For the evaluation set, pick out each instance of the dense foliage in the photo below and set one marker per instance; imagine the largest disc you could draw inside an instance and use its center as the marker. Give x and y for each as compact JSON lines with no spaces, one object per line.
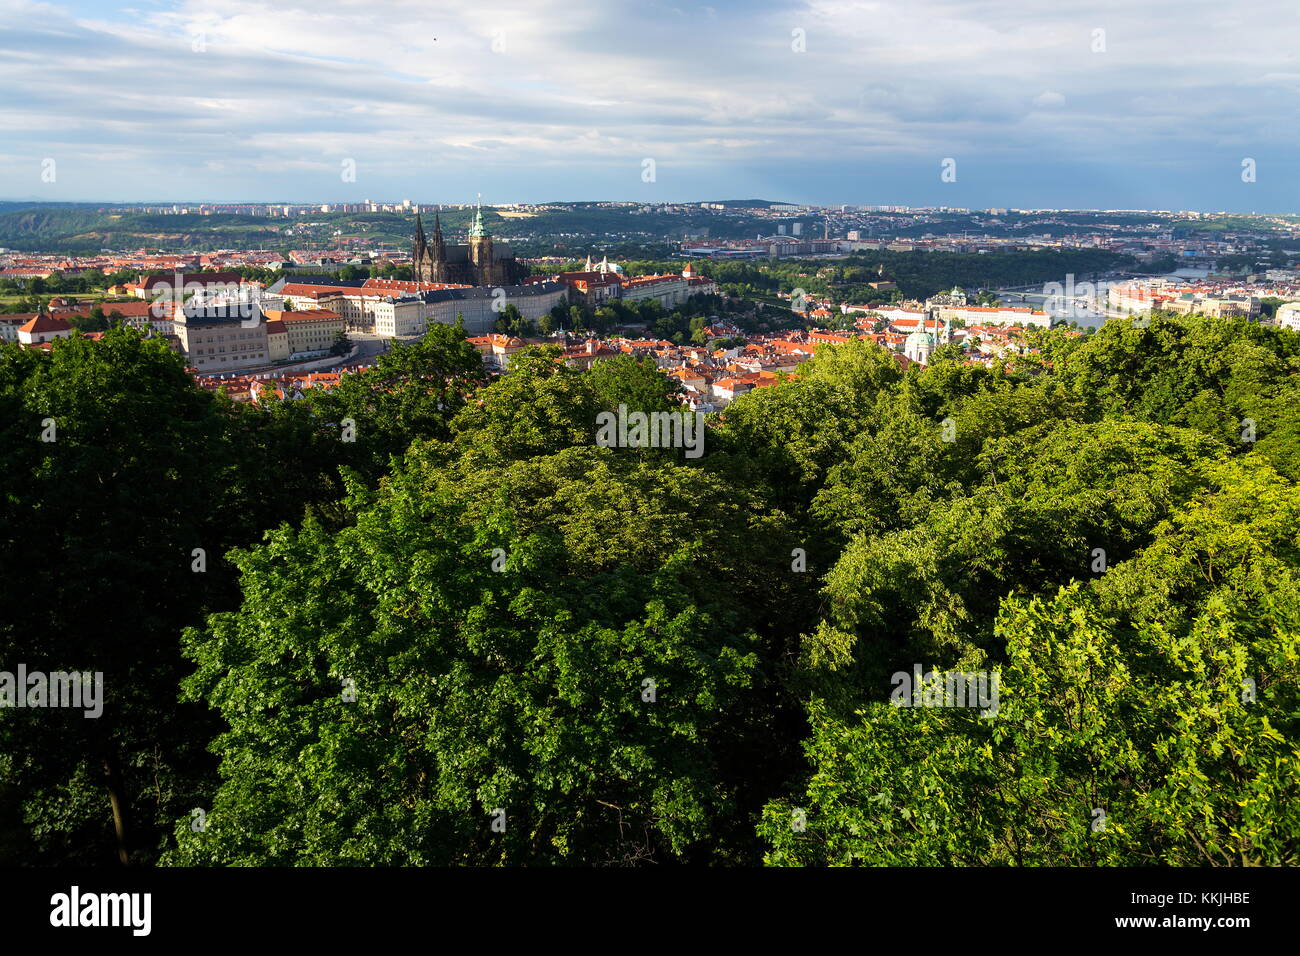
{"x":440,"y":624}
{"x":917,"y":274}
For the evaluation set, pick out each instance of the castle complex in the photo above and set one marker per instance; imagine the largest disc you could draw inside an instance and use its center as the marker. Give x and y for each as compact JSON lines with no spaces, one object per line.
{"x":476,"y":263}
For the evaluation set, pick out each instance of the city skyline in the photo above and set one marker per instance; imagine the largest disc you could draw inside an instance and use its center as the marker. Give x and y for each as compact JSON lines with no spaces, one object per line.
{"x":796,"y":209}
{"x":1074,"y":106}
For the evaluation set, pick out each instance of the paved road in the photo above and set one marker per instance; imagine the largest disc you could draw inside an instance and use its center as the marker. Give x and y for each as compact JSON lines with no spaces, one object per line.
{"x":370,"y":347}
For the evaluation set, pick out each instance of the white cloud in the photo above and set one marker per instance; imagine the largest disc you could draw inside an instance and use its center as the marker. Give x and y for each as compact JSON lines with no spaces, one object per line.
{"x":407,"y":86}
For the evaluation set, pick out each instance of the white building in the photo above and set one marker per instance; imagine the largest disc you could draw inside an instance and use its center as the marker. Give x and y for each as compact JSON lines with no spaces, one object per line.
{"x":669,"y":290}
{"x":43,"y":328}
{"x":9,"y":325}
{"x":480,"y":307}
{"x":983,"y":315}
{"x":1288,"y":316}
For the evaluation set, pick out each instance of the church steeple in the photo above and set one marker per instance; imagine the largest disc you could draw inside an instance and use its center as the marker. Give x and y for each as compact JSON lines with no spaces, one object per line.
{"x":476,"y":228}
{"x":437,"y":248}
{"x":420,"y":242}
{"x":419,"y":249}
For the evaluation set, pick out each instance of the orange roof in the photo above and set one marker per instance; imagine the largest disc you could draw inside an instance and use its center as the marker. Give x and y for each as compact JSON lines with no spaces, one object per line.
{"x":125,"y":309}
{"x":740,"y":381}
{"x":305,"y":290}
{"x":404,"y":285}
{"x":306,"y":315}
{"x":45,"y":323}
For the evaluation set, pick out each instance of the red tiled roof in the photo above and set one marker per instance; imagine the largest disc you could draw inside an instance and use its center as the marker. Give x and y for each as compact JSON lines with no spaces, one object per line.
{"x":307,"y":315}
{"x":45,"y":323}
{"x":128,"y":310}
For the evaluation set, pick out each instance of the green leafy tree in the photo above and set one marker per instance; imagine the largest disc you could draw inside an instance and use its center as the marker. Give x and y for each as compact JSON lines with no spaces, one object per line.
{"x":1147,"y":717}
{"x":542,"y":644}
{"x":636,"y":383}
{"x":116,"y":470}
{"x":95,"y":321}
{"x":930,"y":588}
{"x":412,"y":391}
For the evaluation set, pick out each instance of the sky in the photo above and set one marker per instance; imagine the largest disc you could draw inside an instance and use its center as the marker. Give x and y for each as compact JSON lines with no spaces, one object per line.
{"x":1147,"y":104}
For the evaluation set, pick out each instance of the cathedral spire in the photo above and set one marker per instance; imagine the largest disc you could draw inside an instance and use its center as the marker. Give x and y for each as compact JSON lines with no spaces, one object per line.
{"x":419,"y":248}
{"x":476,"y":228}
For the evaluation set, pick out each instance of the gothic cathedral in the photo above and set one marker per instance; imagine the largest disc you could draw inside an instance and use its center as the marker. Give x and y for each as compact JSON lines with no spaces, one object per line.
{"x":477,"y":262}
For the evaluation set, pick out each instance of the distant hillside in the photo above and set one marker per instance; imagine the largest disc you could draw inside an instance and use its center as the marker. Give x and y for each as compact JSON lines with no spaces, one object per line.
{"x":88,"y":229}
{"x":747,"y":203}
{"x":85,"y":229}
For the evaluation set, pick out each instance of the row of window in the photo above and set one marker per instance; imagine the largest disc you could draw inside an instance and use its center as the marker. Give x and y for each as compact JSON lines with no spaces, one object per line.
{"x":230,"y":358}
{"x":222,"y":338}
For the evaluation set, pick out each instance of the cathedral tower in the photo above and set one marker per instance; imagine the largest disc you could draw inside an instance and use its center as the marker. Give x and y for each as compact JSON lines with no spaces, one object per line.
{"x":477,"y":262}
{"x":437,"y":253}
{"x":429,"y":256}
{"x":419,"y":248}
{"x":480,"y":251}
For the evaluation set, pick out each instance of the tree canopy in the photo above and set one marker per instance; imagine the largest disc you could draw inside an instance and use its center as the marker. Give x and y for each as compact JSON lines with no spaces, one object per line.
{"x":436,"y":622}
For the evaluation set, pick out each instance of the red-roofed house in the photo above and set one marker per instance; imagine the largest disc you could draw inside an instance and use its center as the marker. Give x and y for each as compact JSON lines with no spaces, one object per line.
{"x":588,"y":353}
{"x":43,"y":328}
